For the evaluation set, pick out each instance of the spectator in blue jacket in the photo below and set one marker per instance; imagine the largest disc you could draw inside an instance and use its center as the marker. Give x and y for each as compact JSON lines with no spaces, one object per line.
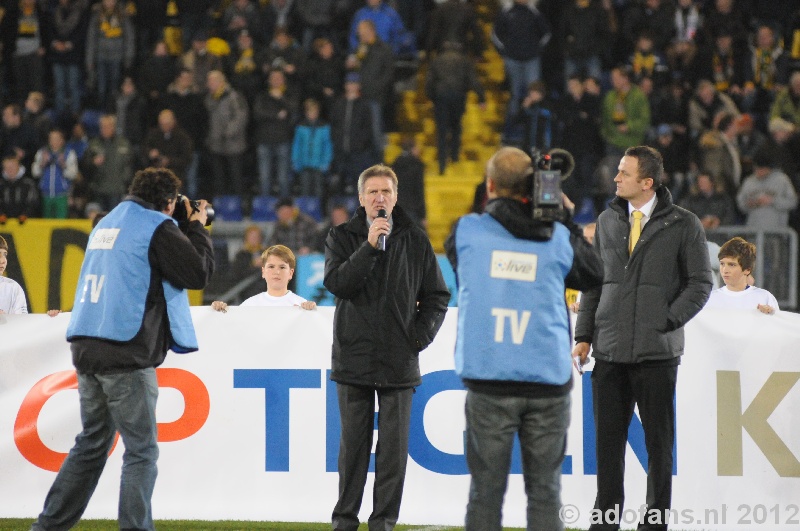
{"x":388,"y":26}
{"x":56,"y":166}
{"x":312,"y":150}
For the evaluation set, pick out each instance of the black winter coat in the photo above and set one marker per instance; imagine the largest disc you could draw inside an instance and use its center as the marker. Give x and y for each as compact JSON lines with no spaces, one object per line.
{"x":358,"y":137}
{"x":190,"y":113}
{"x":646,"y":298}
{"x":270,"y":127}
{"x":389,"y":304}
{"x":377,"y":72}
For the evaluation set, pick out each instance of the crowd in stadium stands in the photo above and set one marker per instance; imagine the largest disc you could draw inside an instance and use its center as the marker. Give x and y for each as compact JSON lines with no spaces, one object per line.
{"x":294,"y":97}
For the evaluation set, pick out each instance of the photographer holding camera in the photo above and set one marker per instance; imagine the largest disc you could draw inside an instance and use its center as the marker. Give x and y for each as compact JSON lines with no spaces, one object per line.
{"x":513,"y":341}
{"x":130,"y":307}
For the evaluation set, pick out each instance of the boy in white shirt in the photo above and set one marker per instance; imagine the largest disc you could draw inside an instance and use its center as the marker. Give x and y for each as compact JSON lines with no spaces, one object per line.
{"x":278,"y":263}
{"x":12,"y":298}
{"x":736,"y":260}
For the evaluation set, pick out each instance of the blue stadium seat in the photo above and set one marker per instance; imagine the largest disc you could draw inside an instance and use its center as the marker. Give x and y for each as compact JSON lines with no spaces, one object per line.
{"x":264,"y":208}
{"x":228,"y":207}
{"x":350,"y":202}
{"x":309,"y":204}
{"x":584,"y":213}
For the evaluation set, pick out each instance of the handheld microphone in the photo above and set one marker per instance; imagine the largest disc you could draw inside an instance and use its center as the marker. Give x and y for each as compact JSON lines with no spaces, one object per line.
{"x":382,"y":237}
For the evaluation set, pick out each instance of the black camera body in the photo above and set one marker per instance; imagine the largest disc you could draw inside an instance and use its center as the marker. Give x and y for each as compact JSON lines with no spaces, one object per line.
{"x":181,"y":213}
{"x":546,"y":194}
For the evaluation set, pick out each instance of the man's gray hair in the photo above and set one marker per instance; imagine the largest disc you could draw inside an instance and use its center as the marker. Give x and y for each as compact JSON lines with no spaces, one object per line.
{"x":378,"y":170}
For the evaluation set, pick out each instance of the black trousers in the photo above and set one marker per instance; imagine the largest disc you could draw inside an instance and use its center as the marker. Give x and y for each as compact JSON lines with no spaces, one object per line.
{"x":616,"y":388}
{"x":228,"y":173}
{"x":357,"y":413}
{"x":448,"y":109}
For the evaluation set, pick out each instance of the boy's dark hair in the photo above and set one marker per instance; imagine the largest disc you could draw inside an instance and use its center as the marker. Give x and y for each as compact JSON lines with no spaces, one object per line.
{"x":537,"y":86}
{"x":284,"y":201}
{"x":3,"y":244}
{"x":282,"y":252}
{"x":156,"y":186}
{"x":740,"y":249}
{"x":645,"y":34}
{"x":763,"y":158}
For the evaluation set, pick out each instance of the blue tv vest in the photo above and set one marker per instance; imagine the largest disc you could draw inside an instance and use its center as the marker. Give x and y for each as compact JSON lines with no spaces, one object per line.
{"x":115,"y":278}
{"x":512,"y":316}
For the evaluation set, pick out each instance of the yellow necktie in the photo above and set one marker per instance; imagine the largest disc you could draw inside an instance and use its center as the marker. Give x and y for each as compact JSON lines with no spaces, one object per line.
{"x":636,"y":230}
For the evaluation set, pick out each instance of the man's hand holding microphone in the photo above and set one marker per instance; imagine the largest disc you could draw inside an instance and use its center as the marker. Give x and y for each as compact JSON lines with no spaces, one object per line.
{"x":378,"y":231}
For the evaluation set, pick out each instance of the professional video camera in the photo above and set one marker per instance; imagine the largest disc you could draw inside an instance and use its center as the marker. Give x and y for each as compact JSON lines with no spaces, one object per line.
{"x":548,"y":170}
{"x":181,"y":213}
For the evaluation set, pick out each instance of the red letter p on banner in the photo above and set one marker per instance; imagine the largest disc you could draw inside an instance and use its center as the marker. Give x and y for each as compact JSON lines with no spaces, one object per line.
{"x":26,"y":433}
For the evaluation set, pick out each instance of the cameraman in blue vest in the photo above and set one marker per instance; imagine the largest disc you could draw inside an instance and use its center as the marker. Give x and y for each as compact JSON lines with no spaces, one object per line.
{"x":513,"y":344}
{"x":130,"y":308}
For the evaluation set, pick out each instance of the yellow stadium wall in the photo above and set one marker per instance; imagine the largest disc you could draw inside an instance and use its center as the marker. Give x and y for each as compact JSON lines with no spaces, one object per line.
{"x":45,"y":257}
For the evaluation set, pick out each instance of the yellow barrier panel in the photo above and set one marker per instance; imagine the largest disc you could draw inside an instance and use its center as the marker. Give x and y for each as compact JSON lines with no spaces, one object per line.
{"x":45,"y":257}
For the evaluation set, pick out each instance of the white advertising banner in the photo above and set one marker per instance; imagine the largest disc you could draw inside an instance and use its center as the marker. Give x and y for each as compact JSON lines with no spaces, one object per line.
{"x":249,"y":426}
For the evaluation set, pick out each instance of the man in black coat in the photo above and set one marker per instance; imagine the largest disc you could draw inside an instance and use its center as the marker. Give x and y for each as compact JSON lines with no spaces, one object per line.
{"x":389,"y":306}
{"x":410,"y":172}
{"x":351,"y":131}
{"x":656,"y":277}
{"x":451,"y":75}
{"x":374,"y":61}
{"x":18,"y":137}
{"x":168,"y":145}
{"x":19,"y":195}
{"x":455,"y":21}
{"x":184,"y":99}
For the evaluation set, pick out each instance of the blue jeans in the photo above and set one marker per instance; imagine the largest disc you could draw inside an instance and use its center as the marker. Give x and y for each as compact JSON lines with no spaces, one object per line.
{"x":311,"y":182}
{"x":190,"y":186}
{"x":376,"y":110}
{"x":109,"y":77}
{"x":492,"y":423}
{"x":124,"y":402}
{"x":520,"y":74}
{"x":586,"y":66}
{"x":282,"y":156}
{"x":28,"y":73}
{"x":228,"y":171}
{"x":69,"y":86}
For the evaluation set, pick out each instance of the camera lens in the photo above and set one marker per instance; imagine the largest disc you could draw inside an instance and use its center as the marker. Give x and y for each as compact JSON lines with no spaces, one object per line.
{"x":209,"y":214}
{"x":181,"y":213}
